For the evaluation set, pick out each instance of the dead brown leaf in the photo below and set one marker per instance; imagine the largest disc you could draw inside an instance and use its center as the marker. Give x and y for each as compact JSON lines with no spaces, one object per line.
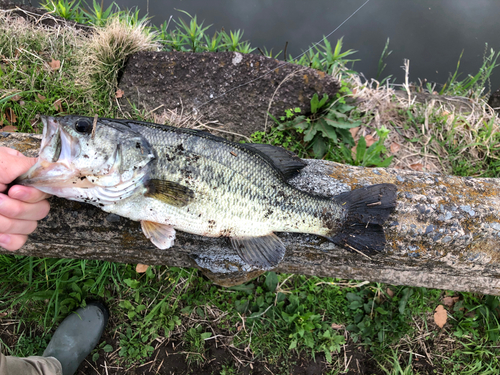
{"x":16,"y":98}
{"x":41,"y":97}
{"x":395,"y":147}
{"x":389,"y":292}
{"x":9,"y":129}
{"x":417,"y":167}
{"x":440,"y":316}
{"x":450,"y":301}
{"x":141,"y":268}
{"x":11,"y":116}
{"x":337,"y":326}
{"x":370,"y":140}
{"x":55,"y":64}
{"x":119,"y":93}
{"x":354,"y":131}
{"x":58,"y":105}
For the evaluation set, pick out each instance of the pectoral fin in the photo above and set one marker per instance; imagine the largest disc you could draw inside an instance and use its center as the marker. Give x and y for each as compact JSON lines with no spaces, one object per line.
{"x":161,"y":235}
{"x":169,"y":192}
{"x":262,"y":252}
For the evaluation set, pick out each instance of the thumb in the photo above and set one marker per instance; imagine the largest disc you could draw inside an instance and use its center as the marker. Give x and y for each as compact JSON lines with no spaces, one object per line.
{"x":13,"y":164}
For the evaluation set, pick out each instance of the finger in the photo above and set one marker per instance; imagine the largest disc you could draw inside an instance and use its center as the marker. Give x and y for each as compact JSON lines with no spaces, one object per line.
{"x":12,"y":242}
{"x":15,"y":209}
{"x":14,"y":226}
{"x":27,"y":194}
{"x":13,"y":164}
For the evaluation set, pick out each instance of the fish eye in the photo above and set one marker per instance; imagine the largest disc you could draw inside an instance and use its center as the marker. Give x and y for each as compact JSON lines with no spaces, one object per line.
{"x":83,"y":126}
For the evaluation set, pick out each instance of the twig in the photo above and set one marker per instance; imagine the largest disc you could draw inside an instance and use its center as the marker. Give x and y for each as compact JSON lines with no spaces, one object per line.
{"x":94,"y":126}
{"x":356,"y":250}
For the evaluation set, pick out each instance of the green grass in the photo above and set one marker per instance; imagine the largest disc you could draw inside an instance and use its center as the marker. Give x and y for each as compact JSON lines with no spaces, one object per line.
{"x":274,"y":318}
{"x":270,"y":316}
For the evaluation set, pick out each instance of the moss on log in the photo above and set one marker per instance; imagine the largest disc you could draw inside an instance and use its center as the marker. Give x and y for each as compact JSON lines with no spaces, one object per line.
{"x":444,"y":233}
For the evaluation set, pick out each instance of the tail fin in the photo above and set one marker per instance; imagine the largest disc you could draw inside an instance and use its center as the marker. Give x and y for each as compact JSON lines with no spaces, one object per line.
{"x":367,"y":209}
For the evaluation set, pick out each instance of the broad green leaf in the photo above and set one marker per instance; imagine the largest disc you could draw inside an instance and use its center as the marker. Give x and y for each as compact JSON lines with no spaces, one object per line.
{"x":355,"y":305}
{"x":343,"y":124}
{"x":241,"y":306}
{"x":346,"y":136}
{"x":407,"y":293}
{"x":323,"y":100}
{"x":247,"y":288}
{"x":386,"y":162}
{"x":134,"y":284}
{"x":326,"y":130}
{"x":309,"y":134}
{"x":314,"y":103}
{"x":126,"y":305}
{"x":271,"y":281}
{"x":319,"y":147}
{"x":328,"y":356}
{"x":380,"y":310}
{"x":206,"y":335}
{"x":353,"y":297}
{"x":360,"y":149}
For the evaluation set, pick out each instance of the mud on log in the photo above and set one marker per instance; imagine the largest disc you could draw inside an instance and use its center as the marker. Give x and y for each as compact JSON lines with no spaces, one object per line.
{"x":444,"y":233}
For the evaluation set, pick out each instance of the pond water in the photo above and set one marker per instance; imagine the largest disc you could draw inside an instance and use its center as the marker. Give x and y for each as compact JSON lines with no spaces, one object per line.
{"x":430,"y":33}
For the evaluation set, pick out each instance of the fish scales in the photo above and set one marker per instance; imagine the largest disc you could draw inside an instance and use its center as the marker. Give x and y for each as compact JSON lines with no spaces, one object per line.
{"x":180,"y":179}
{"x":229,"y":176}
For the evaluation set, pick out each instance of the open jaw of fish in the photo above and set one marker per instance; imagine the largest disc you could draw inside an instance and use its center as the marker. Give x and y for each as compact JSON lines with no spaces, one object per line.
{"x":181,"y":179}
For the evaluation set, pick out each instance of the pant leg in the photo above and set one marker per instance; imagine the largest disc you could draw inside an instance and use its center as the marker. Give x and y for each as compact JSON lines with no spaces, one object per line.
{"x":29,"y":366}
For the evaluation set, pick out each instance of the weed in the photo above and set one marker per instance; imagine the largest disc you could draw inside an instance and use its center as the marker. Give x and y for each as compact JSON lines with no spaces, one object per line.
{"x":396,"y":369}
{"x":472,"y":86}
{"x":107,"y":51}
{"x":192,"y":36}
{"x":369,"y":156}
{"x":381,"y":65}
{"x":324,"y":58}
{"x":195,"y":344}
{"x":70,"y":10}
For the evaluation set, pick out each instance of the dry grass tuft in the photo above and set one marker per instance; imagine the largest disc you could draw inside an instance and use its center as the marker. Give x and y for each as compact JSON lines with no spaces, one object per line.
{"x":107,"y":50}
{"x":426,"y":127}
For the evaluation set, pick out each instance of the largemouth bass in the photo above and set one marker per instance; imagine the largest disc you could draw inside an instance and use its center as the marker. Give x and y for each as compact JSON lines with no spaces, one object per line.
{"x":182,"y":179}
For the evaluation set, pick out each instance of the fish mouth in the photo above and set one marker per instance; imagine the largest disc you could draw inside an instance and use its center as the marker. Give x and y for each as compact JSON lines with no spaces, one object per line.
{"x":57,"y":150}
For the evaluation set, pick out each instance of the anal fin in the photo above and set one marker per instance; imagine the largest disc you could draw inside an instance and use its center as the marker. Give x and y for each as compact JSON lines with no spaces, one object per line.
{"x":161,"y":235}
{"x":263,"y":252}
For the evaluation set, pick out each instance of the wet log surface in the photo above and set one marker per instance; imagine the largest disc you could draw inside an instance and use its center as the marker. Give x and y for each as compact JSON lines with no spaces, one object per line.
{"x":444,"y":233}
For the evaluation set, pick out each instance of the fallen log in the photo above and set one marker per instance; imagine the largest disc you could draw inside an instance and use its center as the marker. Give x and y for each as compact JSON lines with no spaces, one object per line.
{"x":444,"y":233}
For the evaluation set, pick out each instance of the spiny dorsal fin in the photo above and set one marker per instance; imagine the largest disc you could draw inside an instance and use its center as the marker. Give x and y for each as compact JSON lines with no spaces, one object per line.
{"x":262,"y":252}
{"x":169,"y":192}
{"x":287,"y":162}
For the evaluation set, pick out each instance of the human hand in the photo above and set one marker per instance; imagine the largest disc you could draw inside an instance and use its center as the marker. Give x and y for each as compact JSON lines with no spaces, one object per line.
{"x":23,"y":206}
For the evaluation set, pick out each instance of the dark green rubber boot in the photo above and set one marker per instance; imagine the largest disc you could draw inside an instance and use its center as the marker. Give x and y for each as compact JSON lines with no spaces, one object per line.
{"x":77,"y":336}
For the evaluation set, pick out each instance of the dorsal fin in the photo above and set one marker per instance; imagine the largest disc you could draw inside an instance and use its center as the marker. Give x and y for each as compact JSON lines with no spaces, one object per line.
{"x":286,"y":161}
